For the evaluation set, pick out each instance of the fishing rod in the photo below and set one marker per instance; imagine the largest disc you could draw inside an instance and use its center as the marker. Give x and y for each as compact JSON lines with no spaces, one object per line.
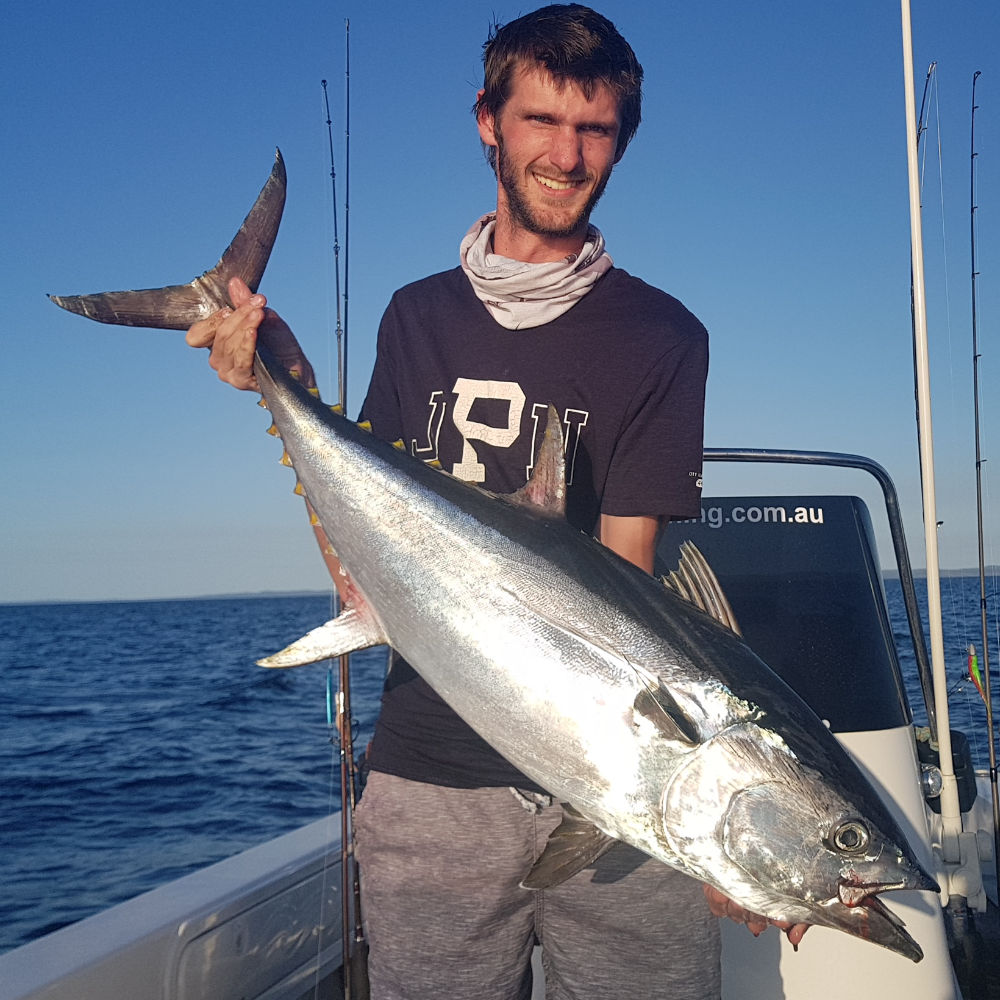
{"x":924,"y":672}
{"x":354,"y":958}
{"x":983,"y":616}
{"x":339,"y":330}
{"x":921,"y":125}
{"x":335,"y":711}
{"x":347,"y":190}
{"x":356,"y":964}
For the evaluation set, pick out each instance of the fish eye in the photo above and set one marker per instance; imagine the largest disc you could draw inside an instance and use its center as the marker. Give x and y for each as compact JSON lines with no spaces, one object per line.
{"x":850,"y":836}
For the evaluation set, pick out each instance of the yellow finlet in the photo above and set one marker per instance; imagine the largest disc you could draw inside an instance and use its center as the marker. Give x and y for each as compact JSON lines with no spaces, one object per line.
{"x":299,"y":489}
{"x":399,"y":445}
{"x":435,"y":464}
{"x":285,"y":460}
{"x":262,"y":403}
{"x":338,"y":409}
{"x":273,"y":430}
{"x":313,"y":390}
{"x":365,"y":425}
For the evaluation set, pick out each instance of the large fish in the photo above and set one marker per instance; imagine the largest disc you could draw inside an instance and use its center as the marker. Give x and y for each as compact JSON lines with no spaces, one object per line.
{"x":646,"y":714}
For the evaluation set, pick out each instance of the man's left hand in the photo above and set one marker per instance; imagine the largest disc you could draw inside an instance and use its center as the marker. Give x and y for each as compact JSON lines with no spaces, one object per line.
{"x":722,"y":906}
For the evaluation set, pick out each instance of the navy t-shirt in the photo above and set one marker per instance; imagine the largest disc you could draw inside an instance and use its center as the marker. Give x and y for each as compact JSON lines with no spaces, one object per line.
{"x":625,"y":368}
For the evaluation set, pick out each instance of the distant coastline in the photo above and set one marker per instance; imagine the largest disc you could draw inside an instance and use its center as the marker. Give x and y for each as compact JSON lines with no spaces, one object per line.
{"x":889,"y":574}
{"x":249,"y":595}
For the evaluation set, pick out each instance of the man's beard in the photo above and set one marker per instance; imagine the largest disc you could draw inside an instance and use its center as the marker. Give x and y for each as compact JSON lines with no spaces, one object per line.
{"x":522,"y":212}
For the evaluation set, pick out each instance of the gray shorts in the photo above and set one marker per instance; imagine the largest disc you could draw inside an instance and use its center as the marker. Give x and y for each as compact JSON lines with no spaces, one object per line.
{"x":446,"y":917}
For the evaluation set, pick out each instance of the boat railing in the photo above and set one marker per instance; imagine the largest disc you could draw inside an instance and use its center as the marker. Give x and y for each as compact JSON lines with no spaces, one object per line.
{"x":832,"y":459}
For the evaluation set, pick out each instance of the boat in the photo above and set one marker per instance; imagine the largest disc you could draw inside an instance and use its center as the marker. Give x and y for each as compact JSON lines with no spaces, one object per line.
{"x":805,"y":580}
{"x":806,"y":583}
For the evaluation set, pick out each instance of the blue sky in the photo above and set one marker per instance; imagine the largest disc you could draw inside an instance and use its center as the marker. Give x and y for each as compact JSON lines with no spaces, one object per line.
{"x":766,"y":188}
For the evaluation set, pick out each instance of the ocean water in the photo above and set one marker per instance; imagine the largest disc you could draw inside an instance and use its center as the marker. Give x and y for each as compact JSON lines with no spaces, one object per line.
{"x":139,"y":742}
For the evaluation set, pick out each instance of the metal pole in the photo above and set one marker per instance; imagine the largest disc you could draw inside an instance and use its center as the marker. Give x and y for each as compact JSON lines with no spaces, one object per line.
{"x":951,"y":818}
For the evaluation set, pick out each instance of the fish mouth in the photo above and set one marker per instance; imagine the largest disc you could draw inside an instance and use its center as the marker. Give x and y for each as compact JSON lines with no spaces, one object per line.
{"x":858,"y":910}
{"x":853,"y":894}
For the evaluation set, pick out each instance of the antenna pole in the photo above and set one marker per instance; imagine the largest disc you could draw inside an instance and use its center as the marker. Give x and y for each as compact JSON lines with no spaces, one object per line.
{"x":951,"y":817}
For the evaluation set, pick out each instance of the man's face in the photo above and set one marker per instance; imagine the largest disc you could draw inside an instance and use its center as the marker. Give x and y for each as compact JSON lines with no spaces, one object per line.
{"x":555,"y":151}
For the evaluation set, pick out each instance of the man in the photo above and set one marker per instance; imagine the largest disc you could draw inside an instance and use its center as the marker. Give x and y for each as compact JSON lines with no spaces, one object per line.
{"x":467,"y":364}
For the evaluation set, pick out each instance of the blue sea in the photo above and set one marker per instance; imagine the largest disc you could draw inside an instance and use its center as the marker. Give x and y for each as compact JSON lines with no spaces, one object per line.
{"x":140,"y":742}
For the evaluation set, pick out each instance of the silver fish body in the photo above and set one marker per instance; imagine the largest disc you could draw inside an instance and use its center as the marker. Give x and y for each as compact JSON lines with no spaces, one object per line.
{"x":650,"y":719}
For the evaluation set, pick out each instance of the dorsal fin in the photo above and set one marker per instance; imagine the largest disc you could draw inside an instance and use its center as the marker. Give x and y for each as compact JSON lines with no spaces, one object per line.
{"x":545,"y":491}
{"x":694,"y":581}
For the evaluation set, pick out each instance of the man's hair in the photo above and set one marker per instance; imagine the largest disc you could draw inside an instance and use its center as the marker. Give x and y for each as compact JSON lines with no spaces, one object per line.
{"x":575,"y":44}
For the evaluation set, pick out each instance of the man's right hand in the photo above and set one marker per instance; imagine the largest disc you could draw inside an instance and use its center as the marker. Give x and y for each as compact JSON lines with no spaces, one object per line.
{"x":231,"y":335}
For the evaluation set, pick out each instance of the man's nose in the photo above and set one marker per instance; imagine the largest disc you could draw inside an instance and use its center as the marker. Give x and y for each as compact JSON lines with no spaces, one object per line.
{"x":566,"y":151}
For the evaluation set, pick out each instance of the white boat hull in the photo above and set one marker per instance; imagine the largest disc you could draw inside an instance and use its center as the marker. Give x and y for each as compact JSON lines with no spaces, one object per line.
{"x":263,"y":925}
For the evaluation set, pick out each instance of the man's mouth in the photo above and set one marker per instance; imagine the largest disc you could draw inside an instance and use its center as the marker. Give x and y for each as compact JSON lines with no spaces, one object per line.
{"x":557,"y":185}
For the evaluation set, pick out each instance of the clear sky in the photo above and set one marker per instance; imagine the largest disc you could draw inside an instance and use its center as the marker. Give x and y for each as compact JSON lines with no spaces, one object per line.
{"x":766,"y":189}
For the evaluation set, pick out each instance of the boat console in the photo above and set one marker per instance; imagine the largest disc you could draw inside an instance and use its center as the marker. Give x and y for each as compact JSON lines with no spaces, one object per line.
{"x":804,"y":581}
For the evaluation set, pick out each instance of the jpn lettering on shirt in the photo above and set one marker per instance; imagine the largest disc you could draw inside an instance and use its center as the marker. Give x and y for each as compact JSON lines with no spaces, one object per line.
{"x":429,"y":451}
{"x":475,"y":433}
{"x":467,"y":391}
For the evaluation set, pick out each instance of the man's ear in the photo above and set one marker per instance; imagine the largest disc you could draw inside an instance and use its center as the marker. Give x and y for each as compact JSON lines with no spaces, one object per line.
{"x":486,"y":122}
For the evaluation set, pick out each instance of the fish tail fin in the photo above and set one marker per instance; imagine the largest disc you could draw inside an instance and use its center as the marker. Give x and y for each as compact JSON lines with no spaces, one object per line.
{"x":176,"y":307}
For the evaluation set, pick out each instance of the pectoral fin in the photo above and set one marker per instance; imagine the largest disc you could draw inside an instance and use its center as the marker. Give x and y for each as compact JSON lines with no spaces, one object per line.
{"x":574,"y":845}
{"x":353,"y":629}
{"x":656,"y":703}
